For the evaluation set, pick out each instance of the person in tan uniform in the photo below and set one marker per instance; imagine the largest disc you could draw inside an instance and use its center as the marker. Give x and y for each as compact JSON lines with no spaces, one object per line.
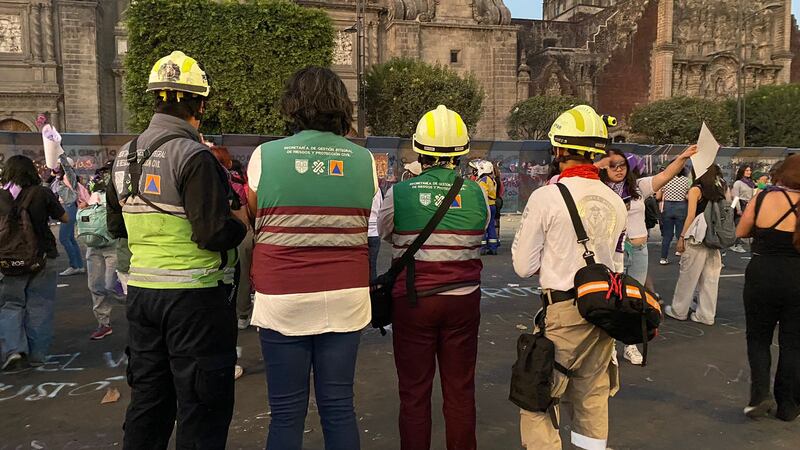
{"x":546,"y":243}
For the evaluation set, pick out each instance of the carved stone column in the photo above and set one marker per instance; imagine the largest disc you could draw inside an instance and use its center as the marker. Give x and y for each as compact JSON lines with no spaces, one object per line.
{"x":663,"y":52}
{"x":36,"y":32}
{"x":47,"y":31}
{"x":523,"y":82}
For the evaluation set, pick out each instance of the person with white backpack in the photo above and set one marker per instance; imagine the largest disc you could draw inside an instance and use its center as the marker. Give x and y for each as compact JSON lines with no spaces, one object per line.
{"x":101,"y":252}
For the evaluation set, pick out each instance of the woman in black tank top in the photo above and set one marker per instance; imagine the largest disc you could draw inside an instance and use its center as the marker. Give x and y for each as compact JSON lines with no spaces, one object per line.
{"x":772,"y":293}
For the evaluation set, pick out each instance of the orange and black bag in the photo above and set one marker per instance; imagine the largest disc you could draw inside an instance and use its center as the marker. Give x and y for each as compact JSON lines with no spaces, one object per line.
{"x":615,"y":302}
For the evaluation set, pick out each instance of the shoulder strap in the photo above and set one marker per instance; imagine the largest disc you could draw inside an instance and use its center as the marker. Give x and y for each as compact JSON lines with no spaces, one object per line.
{"x":24,"y":203}
{"x":407,"y":259}
{"x":583,"y":238}
{"x":136,"y":160}
{"x":792,"y":208}
{"x":759,"y":201}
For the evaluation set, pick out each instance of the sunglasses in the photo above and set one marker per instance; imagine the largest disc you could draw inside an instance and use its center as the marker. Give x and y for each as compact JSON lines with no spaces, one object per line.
{"x":616,"y":166}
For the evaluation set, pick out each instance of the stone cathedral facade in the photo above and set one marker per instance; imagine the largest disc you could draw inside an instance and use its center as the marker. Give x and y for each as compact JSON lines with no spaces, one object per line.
{"x":619,"y":54}
{"x":65,"y":56}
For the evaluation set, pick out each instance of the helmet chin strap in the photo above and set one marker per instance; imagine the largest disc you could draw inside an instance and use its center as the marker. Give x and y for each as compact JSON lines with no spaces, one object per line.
{"x":558,"y":158}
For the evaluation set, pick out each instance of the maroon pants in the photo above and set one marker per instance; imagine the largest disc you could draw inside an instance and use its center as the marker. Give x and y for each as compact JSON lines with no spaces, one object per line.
{"x":443,"y":327}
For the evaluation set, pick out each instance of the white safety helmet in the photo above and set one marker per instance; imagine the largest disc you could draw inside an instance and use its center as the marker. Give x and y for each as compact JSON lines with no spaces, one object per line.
{"x":482,"y":167}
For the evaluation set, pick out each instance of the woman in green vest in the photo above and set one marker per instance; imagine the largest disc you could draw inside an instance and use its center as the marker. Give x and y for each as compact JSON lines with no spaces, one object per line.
{"x":311,"y":194}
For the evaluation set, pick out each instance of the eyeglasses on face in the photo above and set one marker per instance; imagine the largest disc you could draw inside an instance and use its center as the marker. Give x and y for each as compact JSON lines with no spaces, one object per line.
{"x":617,"y":166}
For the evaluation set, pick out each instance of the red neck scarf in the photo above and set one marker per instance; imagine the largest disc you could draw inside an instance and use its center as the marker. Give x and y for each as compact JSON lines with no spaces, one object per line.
{"x":584,"y":171}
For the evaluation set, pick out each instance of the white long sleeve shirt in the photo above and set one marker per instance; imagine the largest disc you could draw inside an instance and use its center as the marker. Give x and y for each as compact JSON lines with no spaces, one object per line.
{"x":546,"y":241}
{"x":377,"y":203}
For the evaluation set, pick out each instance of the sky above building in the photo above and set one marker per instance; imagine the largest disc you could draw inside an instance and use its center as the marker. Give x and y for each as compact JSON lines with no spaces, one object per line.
{"x":527,"y":9}
{"x":532,"y":9}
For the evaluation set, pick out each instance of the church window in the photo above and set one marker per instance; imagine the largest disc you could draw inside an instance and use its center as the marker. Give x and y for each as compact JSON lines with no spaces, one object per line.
{"x":455,"y":56}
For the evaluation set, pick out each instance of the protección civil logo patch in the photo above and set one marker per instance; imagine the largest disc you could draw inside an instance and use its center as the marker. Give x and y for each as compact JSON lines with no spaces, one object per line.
{"x":152,"y":184}
{"x":336,"y":168}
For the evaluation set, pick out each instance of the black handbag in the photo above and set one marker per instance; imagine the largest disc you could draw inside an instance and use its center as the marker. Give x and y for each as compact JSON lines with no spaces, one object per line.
{"x":533,"y":374}
{"x":381,"y":287}
{"x":614,"y":302}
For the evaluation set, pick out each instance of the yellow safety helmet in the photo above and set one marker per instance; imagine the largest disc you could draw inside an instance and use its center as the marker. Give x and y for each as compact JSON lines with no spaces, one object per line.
{"x":441,"y":132}
{"x":178,"y":72}
{"x":582,"y":129}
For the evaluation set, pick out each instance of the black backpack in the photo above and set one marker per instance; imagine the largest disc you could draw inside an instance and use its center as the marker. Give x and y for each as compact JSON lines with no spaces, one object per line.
{"x":652,"y":214}
{"x":19,"y":244}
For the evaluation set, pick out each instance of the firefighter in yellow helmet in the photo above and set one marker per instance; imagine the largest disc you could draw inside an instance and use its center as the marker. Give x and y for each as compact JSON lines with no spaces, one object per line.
{"x":171,"y":199}
{"x":546,"y":243}
{"x":437,"y":307}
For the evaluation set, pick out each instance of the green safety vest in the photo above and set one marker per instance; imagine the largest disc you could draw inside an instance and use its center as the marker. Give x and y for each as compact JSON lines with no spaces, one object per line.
{"x":452,"y":253}
{"x":314,"y":198}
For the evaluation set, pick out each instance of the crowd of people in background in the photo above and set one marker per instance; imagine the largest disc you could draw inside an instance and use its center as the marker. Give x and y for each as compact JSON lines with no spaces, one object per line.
{"x":194,"y":244}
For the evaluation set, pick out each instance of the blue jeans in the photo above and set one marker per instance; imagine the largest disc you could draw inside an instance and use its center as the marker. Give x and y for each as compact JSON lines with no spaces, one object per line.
{"x":490,"y":241}
{"x":672,"y":219}
{"x":289,"y":361}
{"x":66,"y":235}
{"x":636,"y":261}
{"x":26,"y":313}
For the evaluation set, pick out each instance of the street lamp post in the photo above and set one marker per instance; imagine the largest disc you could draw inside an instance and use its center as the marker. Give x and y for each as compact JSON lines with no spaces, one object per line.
{"x":358,"y":29}
{"x":740,"y":25}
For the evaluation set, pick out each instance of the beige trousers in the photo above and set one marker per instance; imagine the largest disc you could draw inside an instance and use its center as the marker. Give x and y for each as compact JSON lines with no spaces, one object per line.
{"x":586,"y":350}
{"x":700,"y":269}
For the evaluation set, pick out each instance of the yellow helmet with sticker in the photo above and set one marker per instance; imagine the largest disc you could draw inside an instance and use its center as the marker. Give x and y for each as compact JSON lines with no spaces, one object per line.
{"x":582,"y":129}
{"x":178,"y":72}
{"x":441,"y":132}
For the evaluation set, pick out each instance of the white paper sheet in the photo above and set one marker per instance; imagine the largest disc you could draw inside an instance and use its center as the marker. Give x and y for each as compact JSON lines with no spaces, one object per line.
{"x":707,"y":148}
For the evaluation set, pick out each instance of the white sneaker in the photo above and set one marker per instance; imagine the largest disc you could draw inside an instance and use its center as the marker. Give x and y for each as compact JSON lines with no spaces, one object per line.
{"x":663,"y":261}
{"x":668,"y":311}
{"x":12,"y":362}
{"x":738,"y":249}
{"x":678,"y":253}
{"x":693,"y":317}
{"x":632,"y":354}
{"x":69,"y":271}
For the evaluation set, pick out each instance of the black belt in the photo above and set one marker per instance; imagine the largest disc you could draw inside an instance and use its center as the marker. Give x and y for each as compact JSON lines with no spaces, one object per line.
{"x":558,"y":296}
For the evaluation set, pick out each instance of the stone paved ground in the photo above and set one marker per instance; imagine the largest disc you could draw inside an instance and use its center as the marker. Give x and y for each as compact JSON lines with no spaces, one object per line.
{"x":690,"y":396}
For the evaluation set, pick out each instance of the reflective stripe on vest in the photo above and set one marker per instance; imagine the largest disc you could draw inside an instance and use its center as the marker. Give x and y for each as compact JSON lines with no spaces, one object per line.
{"x":178,"y":276}
{"x":441,"y":246}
